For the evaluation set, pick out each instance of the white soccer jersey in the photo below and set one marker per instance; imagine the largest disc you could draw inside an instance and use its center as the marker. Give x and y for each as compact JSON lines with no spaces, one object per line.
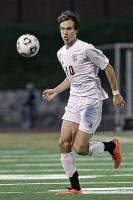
{"x":81,"y":63}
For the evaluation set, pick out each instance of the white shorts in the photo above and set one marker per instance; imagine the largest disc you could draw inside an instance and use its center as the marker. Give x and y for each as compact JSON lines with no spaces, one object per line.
{"x":84,"y":111}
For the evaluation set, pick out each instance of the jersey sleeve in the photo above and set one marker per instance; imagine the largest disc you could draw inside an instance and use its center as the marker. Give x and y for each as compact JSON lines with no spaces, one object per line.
{"x":58,"y":56}
{"x":97,"y":57}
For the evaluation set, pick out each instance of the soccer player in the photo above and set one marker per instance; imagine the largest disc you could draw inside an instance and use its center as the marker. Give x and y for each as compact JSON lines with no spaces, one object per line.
{"x":81,"y":62}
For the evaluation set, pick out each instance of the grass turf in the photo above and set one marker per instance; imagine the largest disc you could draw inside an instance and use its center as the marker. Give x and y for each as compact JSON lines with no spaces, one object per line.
{"x":28,"y":162}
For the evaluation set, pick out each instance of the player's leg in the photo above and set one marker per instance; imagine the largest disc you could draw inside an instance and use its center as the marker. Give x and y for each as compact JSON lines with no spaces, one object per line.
{"x":83,"y":146}
{"x":71,"y":119}
{"x":68,"y":133}
{"x":90,"y":120}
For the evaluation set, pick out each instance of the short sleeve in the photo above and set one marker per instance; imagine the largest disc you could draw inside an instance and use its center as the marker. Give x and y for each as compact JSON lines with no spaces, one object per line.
{"x":58,"y":56}
{"x":97,"y":57}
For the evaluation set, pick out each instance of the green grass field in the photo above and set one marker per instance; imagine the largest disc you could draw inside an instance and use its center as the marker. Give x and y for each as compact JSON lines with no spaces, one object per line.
{"x":30,"y":169}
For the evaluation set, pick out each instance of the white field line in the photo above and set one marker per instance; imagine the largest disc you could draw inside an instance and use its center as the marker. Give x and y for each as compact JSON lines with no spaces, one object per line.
{"x":61,"y":170}
{"x":21,"y":192}
{"x":63,"y":183}
{"x":56,"y":176}
{"x":84,"y":192}
{"x":2,"y":155}
{"x":58,"y":164}
{"x":87,"y":159}
{"x":25,"y":154}
{"x":112,"y":190}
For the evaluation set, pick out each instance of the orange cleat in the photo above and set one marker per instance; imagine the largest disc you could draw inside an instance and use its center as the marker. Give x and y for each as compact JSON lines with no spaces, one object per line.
{"x":117,"y":156}
{"x":69,"y":191}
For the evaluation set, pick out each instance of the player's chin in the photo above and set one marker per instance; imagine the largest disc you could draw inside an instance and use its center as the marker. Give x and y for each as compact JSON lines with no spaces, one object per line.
{"x":66,"y":40}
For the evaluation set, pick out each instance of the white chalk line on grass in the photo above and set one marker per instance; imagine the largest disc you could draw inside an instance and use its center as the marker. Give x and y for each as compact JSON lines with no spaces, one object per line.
{"x":58,"y":164}
{"x":56,"y":176}
{"x":26,"y":154}
{"x":50,"y":156}
{"x":22,"y":192}
{"x":25,"y":192}
{"x":112,"y":190}
{"x":61,"y":170}
{"x":84,"y":192}
{"x":34,"y":160}
{"x":63,"y":183}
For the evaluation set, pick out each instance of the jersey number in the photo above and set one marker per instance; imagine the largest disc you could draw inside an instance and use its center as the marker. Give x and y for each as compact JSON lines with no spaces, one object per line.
{"x":70,"y":71}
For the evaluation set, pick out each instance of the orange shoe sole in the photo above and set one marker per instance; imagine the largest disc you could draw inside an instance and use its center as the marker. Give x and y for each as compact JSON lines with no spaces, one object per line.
{"x":69,"y":191}
{"x":117,"y":156}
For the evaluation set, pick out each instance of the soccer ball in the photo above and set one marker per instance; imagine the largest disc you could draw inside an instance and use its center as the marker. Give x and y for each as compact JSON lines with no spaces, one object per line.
{"x":28,"y":45}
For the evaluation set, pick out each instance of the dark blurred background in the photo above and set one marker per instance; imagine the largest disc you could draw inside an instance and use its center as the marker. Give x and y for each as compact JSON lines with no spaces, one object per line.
{"x":107,"y":24}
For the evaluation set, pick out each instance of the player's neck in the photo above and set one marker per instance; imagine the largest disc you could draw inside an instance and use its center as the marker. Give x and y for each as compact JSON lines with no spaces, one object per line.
{"x":68,"y":45}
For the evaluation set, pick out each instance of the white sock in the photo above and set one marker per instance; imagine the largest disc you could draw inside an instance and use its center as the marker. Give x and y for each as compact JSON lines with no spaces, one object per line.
{"x":68,"y":163}
{"x":96,"y":148}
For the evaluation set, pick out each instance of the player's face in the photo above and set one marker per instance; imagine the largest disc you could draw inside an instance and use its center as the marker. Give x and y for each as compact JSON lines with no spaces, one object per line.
{"x":68,"y":32}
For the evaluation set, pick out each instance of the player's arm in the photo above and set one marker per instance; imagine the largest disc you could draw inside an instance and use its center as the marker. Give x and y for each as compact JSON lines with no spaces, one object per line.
{"x":49,"y":94}
{"x":63,"y":86}
{"x":117,"y":98}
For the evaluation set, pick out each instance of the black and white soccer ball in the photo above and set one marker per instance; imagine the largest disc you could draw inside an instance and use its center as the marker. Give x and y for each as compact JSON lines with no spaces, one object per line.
{"x":28,"y":45}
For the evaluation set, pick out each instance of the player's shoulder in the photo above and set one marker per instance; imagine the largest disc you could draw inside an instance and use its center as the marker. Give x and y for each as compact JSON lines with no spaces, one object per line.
{"x":85,"y":45}
{"x":61,"y":50}
{"x":91,"y":49}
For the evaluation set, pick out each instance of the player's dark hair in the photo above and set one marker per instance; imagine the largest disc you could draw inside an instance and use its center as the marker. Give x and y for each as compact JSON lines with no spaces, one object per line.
{"x":69,"y":15}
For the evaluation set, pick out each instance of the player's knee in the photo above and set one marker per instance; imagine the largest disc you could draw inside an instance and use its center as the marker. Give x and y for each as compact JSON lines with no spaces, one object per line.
{"x":81,"y":150}
{"x":64,"y":145}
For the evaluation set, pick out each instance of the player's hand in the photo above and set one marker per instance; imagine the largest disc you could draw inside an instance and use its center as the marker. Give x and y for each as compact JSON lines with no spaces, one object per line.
{"x":49,"y":94}
{"x":118,"y":101}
